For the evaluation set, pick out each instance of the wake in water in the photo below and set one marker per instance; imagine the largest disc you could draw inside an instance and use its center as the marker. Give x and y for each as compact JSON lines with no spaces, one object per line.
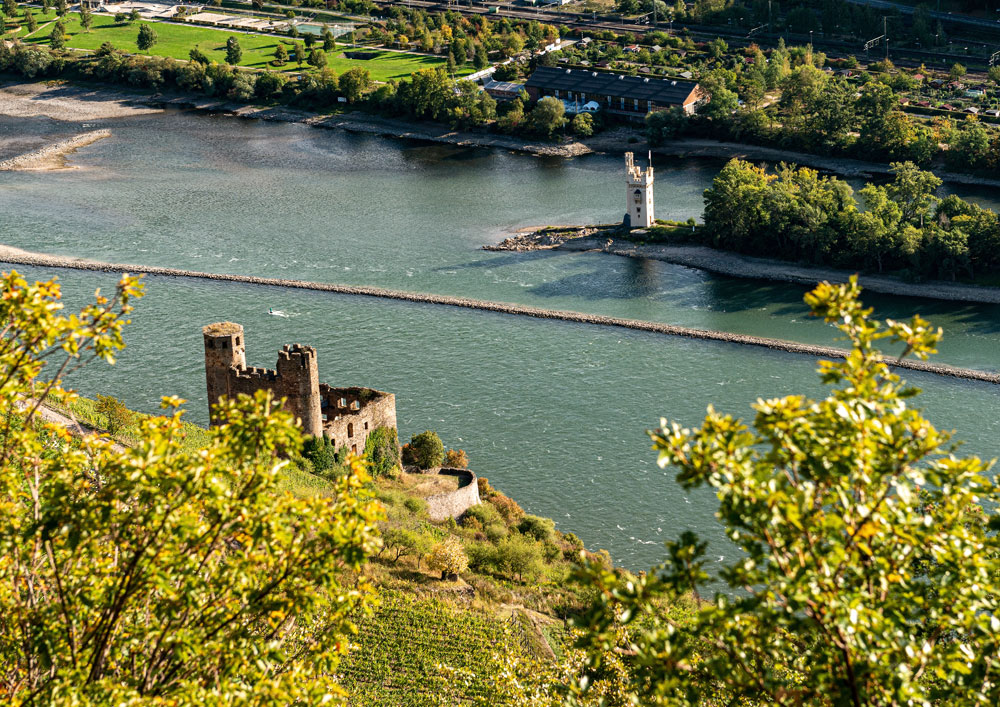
{"x":279,"y":313}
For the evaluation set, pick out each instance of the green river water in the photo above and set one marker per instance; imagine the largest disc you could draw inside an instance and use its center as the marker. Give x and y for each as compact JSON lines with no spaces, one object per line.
{"x":553,"y":413}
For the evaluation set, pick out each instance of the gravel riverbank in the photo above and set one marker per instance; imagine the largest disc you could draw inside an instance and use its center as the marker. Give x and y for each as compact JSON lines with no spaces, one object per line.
{"x":52,"y":156}
{"x":606,"y":240}
{"x":17,"y":256}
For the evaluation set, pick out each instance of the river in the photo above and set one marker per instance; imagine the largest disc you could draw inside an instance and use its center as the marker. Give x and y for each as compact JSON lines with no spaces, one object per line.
{"x":553,"y":413}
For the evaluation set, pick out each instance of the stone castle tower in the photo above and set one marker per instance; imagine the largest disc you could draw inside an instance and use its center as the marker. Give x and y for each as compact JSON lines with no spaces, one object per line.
{"x":225,"y":348}
{"x":296,"y":377}
{"x":638,"y":194}
{"x":345,"y":416}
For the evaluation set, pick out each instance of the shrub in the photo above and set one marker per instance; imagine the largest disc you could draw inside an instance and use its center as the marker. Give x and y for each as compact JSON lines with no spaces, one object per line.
{"x":449,"y":557}
{"x":507,"y":507}
{"x":482,"y":557}
{"x":485,"y":513}
{"x":485,"y":490}
{"x":402,"y":542}
{"x":537,"y":527}
{"x":116,"y":416}
{"x":325,"y":459}
{"x":382,"y":451}
{"x":415,"y":505}
{"x":520,"y":557}
{"x":456,"y":459}
{"x":269,"y":85}
{"x":425,"y":450}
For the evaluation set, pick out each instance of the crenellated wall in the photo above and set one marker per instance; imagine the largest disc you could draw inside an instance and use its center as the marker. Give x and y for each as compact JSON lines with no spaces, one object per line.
{"x":347,"y":415}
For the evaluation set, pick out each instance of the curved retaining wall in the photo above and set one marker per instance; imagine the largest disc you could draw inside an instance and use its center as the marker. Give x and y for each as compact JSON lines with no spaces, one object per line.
{"x":454,"y":503}
{"x":22,"y":257}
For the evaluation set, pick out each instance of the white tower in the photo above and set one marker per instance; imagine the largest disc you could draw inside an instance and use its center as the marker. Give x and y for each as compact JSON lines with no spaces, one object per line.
{"x":638,"y":194}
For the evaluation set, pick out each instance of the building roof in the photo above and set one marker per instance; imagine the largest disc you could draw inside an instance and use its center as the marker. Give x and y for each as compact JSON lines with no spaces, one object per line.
{"x":658,"y":91}
{"x":503,"y":86}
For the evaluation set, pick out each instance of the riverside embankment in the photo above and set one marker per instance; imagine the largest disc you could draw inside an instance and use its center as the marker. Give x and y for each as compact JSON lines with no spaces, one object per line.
{"x":21,"y":257}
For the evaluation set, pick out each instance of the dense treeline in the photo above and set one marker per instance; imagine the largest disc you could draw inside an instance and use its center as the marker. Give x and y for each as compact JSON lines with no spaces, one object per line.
{"x":784,"y":99}
{"x":430,"y":94}
{"x":796,"y":214}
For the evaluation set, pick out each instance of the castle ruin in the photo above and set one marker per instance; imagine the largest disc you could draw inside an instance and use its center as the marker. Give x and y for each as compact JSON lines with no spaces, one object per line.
{"x":345,"y":415}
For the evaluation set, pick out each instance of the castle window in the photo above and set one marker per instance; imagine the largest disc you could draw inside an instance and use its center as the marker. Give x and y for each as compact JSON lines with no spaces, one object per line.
{"x":354,"y":448}
{"x":350,"y":429}
{"x":355,"y":405}
{"x":225,"y":344}
{"x":366,"y":427}
{"x":342,"y":403}
{"x":211,"y":344}
{"x":237,"y":341}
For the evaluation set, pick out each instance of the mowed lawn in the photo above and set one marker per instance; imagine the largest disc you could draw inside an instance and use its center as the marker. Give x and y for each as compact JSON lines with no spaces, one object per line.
{"x":177,"y":40}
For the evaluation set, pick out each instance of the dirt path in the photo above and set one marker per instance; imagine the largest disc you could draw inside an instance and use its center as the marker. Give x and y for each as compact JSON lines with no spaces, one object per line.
{"x":72,"y":426}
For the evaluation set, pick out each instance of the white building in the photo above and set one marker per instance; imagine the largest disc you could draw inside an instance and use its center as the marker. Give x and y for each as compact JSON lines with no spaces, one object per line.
{"x":638,"y":194}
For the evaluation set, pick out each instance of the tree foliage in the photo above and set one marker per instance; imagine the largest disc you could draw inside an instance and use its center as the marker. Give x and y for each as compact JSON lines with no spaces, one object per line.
{"x":162,"y":573}
{"x":449,"y":557}
{"x":795,"y":214}
{"x":382,"y":452}
{"x":866,"y":573}
{"x":425,"y":450}
{"x":146,"y":38}
{"x":234,"y":52}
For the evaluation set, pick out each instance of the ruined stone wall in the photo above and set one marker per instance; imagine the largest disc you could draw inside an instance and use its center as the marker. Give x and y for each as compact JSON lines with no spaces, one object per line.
{"x":351,"y":414}
{"x":455,"y":503}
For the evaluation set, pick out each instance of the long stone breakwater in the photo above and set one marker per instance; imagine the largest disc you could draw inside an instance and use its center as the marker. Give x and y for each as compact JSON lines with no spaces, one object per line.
{"x":47,"y":157}
{"x":22,"y":257}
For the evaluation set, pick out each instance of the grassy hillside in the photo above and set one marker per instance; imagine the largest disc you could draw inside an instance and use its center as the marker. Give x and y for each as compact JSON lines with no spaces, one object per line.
{"x":430,"y":640}
{"x":177,"y":40}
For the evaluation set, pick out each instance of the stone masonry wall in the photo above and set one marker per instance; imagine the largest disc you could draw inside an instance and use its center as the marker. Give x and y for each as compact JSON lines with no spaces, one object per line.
{"x":351,"y":414}
{"x":455,"y":503}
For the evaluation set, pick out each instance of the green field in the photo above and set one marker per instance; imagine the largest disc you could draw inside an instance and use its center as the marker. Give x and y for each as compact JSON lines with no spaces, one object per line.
{"x":176,"y":40}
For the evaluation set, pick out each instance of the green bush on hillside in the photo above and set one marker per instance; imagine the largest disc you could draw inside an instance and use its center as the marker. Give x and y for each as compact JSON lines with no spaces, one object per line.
{"x":425,"y":450}
{"x":117,"y":418}
{"x":537,"y":527}
{"x":382,"y":452}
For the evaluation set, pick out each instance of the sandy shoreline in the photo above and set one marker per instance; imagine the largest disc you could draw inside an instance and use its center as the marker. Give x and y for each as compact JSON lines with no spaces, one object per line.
{"x":16,"y":255}
{"x":735,"y":265}
{"x":52,"y":156}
